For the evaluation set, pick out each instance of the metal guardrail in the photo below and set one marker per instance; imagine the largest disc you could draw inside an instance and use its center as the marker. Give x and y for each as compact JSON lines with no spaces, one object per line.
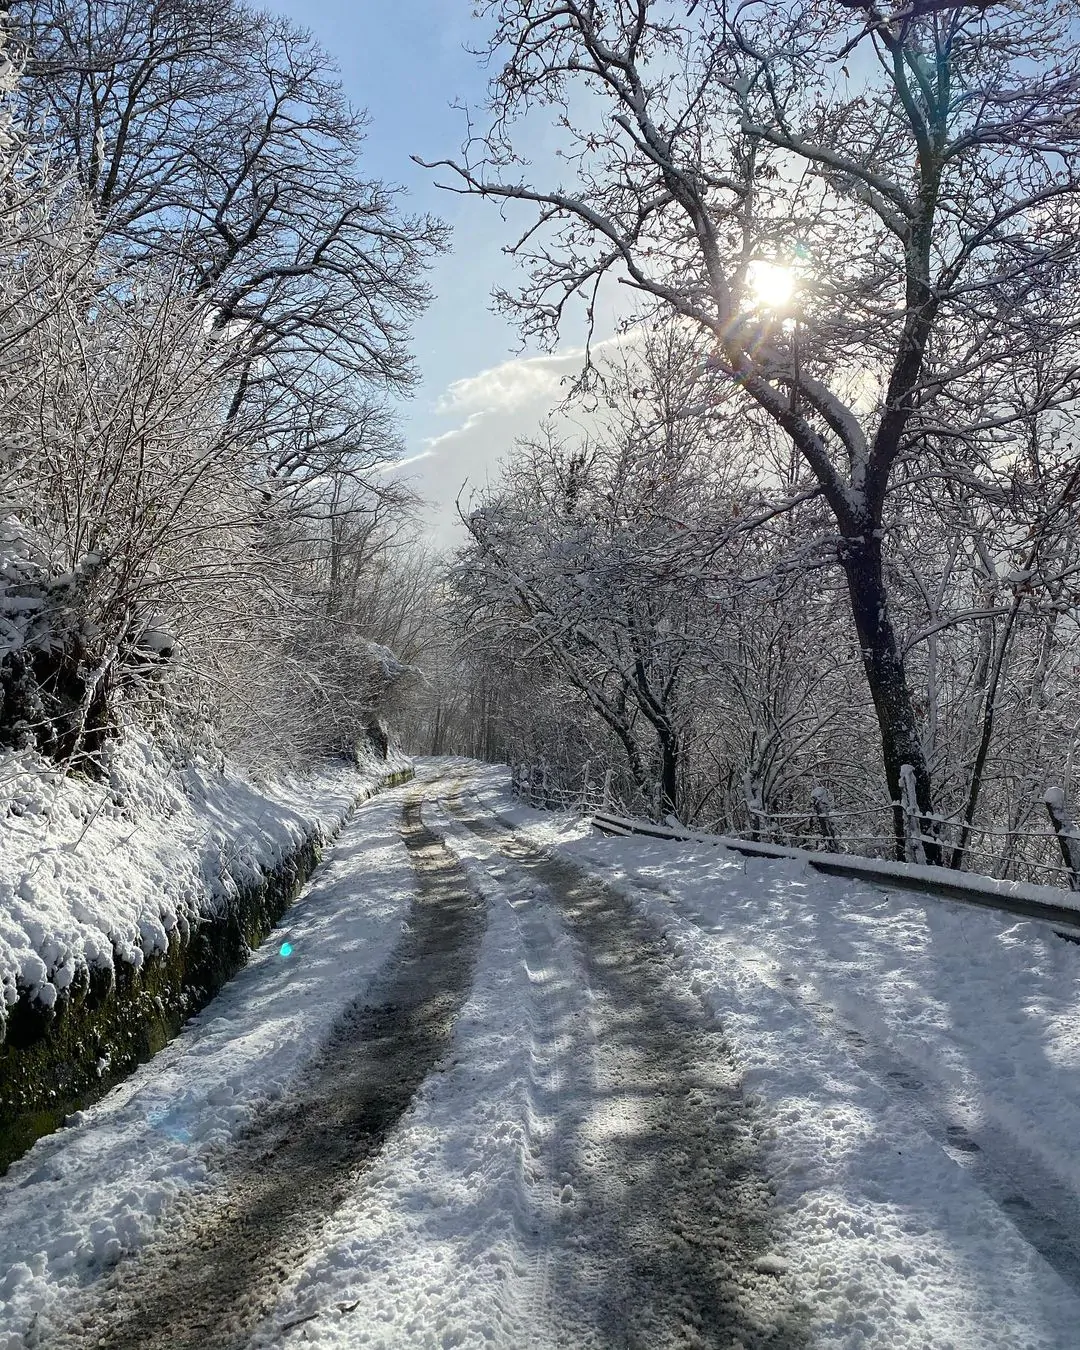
{"x":1019,"y":898}
{"x":1024,"y":852}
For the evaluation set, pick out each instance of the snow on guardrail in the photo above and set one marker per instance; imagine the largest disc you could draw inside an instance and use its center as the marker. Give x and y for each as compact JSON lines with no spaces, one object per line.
{"x":1050,"y":903}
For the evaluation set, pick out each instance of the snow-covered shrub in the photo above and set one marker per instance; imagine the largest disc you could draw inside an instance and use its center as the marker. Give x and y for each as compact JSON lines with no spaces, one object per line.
{"x":130,"y":533}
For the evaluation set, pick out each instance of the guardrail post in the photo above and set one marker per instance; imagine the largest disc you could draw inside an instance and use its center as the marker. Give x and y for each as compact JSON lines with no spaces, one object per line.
{"x":913,"y":825}
{"x":755,"y":807}
{"x":1068,"y":836}
{"x":819,"y":796}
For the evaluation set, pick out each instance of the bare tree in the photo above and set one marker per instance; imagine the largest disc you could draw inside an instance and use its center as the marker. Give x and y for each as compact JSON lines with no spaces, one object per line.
{"x":136,"y":532}
{"x":216,"y":138}
{"x":915,"y":172}
{"x":596,"y":557}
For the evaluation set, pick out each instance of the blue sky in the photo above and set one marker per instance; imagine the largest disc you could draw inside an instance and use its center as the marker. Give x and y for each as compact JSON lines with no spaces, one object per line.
{"x":406,"y":62}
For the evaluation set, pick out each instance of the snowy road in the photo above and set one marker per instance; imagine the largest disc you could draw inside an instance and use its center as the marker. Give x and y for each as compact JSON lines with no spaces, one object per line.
{"x":531,"y":1089}
{"x":918,"y":1064}
{"x":662,"y":1235}
{"x":217,"y":1275}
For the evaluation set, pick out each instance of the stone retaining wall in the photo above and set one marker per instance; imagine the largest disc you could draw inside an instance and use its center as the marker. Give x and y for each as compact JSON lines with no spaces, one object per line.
{"x":56,"y":1060}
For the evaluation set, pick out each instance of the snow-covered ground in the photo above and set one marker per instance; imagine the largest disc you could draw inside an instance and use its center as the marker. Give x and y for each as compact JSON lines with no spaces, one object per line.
{"x":445,"y":1243}
{"x":89,"y":870}
{"x":918,"y":1063}
{"x":910,"y":1067}
{"x":485,"y":1222}
{"x":97,"y":1189}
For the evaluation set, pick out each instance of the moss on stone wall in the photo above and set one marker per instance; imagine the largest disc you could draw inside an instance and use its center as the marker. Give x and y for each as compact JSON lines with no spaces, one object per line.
{"x":55,"y":1060}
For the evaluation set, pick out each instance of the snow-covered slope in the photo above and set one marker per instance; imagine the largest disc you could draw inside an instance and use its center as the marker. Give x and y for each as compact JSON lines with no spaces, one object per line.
{"x":92,"y":871}
{"x":907,"y":1076}
{"x":101,"y":1187}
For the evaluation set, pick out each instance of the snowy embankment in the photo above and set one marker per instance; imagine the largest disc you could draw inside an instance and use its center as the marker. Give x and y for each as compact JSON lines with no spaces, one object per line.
{"x":97,"y":1189}
{"x":125,"y":903}
{"x":918,"y":1063}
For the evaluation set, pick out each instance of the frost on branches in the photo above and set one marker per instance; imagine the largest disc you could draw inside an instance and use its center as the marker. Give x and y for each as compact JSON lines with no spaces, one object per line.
{"x":194,"y":533}
{"x":870,"y":218}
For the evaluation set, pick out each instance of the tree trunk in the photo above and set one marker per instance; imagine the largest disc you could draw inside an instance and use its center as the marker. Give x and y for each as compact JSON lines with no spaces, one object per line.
{"x":884,"y":667}
{"x":437,"y":730}
{"x":669,"y":772}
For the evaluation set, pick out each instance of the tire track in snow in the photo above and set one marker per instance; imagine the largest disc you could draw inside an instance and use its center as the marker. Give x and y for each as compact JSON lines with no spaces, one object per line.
{"x":547,"y":1087}
{"x":453,"y":1238}
{"x":211,"y":1281}
{"x":666,"y":1240}
{"x":559,"y":1069}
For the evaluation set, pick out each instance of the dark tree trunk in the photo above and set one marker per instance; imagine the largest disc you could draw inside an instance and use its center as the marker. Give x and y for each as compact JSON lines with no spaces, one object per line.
{"x":633,"y":758}
{"x":884,"y":667}
{"x":669,"y":771}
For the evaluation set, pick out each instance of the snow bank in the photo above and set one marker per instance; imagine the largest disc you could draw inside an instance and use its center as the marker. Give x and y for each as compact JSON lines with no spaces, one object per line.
{"x":115,"y":870}
{"x":126,"y":904}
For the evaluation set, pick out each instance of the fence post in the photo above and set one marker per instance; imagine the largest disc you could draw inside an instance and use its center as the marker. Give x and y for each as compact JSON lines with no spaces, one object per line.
{"x":819,"y":796}
{"x":913,"y":825}
{"x":754,"y":805}
{"x":1068,"y":836}
{"x":586,"y":788}
{"x":544,"y":782}
{"x":608,"y":774}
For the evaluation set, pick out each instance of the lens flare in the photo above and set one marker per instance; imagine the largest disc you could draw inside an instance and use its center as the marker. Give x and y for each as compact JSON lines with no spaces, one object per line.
{"x":771,"y":285}
{"x":286,"y":949}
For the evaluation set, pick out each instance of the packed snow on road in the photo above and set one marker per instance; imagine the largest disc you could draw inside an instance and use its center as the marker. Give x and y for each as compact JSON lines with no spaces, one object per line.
{"x":529,"y":1086}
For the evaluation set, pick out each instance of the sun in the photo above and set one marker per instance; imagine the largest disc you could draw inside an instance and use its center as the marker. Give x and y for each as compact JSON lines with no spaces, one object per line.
{"x":771,"y":284}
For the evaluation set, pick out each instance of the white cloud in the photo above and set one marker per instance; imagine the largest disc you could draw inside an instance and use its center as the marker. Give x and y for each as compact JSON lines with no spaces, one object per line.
{"x":391,"y":466}
{"x":447,"y":437}
{"x":514,"y":384}
{"x":496,"y":407}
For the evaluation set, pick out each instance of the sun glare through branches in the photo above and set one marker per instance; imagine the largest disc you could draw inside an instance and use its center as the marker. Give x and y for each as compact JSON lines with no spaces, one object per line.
{"x":771,"y":285}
